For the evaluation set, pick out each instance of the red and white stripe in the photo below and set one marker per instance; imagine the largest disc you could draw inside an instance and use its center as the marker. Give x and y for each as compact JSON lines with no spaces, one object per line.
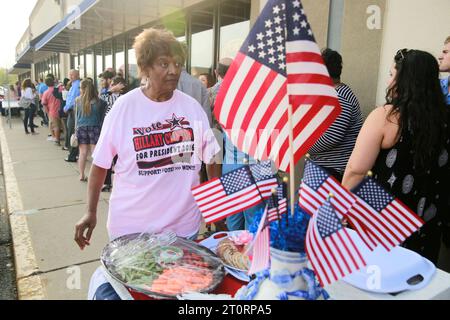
{"x":334,"y":257}
{"x":266,"y":187}
{"x":282,"y":209}
{"x":252,"y":105}
{"x":343,"y":200}
{"x":261,"y":247}
{"x":390,"y":227}
{"x":216,"y":205}
{"x":311,"y":201}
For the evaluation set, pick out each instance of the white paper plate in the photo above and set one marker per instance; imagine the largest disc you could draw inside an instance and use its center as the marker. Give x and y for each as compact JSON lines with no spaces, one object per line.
{"x":390,"y":272}
{"x":212,"y":244}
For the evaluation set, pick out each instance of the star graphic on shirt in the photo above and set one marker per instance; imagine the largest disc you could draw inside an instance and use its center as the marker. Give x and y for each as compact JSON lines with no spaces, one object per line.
{"x":175,"y":122}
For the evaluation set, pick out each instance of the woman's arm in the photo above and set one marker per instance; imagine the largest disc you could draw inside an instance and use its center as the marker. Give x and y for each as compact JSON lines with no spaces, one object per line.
{"x":89,"y":221}
{"x":367,"y":149}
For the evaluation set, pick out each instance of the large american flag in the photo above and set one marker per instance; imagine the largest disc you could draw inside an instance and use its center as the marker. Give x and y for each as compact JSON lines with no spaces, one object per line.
{"x":261,"y":247}
{"x":279,"y":63}
{"x":315,"y":189}
{"x":389,"y":220}
{"x":330,"y":249}
{"x":234,"y":192}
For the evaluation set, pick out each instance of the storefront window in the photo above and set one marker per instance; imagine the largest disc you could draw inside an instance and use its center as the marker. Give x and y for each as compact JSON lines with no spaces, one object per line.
{"x":202,"y":45}
{"x":120,"y":56}
{"x":108,"y":55}
{"x":82,"y":66}
{"x":133,"y":73}
{"x":235,"y":26}
{"x":90,"y":65}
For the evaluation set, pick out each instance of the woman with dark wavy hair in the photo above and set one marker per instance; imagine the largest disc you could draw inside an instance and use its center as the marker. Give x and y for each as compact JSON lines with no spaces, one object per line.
{"x":406,"y":144}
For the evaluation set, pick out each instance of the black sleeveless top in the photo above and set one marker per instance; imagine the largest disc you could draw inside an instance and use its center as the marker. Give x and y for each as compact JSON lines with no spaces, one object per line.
{"x":426,"y":192}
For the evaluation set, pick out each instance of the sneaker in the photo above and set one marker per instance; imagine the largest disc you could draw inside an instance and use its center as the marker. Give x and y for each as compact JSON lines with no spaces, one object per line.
{"x":51,"y":139}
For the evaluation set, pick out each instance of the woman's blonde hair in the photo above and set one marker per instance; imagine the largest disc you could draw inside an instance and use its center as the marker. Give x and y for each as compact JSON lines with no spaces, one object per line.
{"x":447,"y":40}
{"x":152,"y":43}
{"x":88,"y":95}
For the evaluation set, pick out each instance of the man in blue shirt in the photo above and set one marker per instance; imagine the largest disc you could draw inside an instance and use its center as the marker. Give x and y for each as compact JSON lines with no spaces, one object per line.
{"x":444,"y":66}
{"x":69,"y":109}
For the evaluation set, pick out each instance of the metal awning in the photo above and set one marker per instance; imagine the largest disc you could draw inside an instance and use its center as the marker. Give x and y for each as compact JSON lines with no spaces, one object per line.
{"x":29,"y":54}
{"x":20,"y":68}
{"x":95,"y":21}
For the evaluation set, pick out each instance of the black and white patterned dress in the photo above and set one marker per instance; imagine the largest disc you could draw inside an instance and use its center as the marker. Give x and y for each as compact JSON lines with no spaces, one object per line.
{"x":426,"y":192}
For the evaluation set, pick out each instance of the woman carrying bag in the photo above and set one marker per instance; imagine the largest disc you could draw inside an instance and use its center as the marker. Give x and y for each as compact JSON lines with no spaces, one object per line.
{"x":27,"y":102}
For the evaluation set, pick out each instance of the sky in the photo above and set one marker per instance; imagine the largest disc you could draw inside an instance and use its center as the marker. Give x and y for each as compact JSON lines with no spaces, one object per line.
{"x":14,"y":20}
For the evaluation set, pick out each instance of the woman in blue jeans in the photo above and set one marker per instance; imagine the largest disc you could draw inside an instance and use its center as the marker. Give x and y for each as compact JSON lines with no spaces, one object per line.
{"x":29,"y":97}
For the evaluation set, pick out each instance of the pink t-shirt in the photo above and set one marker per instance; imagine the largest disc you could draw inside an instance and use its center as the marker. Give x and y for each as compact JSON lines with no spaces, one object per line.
{"x":160,"y":148}
{"x":51,"y":103}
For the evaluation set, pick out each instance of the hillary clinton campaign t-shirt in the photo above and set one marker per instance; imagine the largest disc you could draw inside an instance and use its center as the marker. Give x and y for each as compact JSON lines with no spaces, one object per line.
{"x":160,"y":148}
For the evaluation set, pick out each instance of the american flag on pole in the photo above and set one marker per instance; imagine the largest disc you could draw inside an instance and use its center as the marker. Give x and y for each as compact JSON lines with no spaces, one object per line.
{"x":265,"y":179}
{"x":228,"y":195}
{"x":278,"y":205}
{"x":330,"y":248}
{"x":261,"y":247}
{"x":279,"y":64}
{"x":316,"y":187}
{"x":389,"y":220}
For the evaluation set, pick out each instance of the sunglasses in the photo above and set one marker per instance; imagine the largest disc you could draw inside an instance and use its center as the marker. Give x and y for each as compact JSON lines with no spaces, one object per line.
{"x":401,"y":54}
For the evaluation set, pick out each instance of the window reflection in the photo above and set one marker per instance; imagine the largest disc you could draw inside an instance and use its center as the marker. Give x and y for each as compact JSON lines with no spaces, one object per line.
{"x":90,"y":65}
{"x":235,"y":26}
{"x":133,"y":73}
{"x":232,"y":37}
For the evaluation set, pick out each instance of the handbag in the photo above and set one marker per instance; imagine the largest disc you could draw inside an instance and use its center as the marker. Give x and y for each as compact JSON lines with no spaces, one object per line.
{"x":24,"y":103}
{"x":74,"y":138}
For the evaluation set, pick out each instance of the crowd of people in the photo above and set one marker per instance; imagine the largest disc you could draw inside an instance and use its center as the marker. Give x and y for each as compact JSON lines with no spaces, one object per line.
{"x":158,"y":140}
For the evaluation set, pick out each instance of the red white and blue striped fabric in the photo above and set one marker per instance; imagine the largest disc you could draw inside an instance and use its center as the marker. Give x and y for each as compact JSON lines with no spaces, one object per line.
{"x":279,"y":64}
{"x":261,"y":247}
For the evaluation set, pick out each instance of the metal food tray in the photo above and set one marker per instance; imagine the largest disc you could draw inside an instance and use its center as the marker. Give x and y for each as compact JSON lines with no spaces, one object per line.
{"x":209,"y":257}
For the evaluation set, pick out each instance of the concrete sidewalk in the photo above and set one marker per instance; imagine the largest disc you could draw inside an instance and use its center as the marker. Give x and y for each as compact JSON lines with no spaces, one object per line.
{"x":45,"y":201}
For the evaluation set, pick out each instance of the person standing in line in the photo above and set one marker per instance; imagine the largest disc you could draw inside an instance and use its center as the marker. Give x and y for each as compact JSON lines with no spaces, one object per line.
{"x":65,"y":115}
{"x":88,"y":112}
{"x":73,"y":94}
{"x":117,"y":89}
{"x":444,"y":66}
{"x":206,"y":79}
{"x":406,"y":144}
{"x":335,"y":146}
{"x":51,"y":105}
{"x":28,"y":101}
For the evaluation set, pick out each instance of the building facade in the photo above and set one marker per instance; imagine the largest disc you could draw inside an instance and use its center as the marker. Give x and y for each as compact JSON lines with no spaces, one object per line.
{"x":92,"y":35}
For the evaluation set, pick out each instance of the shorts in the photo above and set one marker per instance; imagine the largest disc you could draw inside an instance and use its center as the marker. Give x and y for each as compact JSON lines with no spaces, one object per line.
{"x":88,"y":135}
{"x":56,"y":124}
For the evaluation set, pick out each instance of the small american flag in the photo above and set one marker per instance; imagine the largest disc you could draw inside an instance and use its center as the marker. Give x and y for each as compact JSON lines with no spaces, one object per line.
{"x":279,"y":64}
{"x":316,"y":187}
{"x":330,"y":249}
{"x":261,"y":247}
{"x":387,"y":218}
{"x":228,"y":195}
{"x":277,"y":205}
{"x":265,"y":179}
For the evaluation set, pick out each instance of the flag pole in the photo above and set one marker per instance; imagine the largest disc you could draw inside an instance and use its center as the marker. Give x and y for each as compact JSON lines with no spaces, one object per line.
{"x":292,"y":161}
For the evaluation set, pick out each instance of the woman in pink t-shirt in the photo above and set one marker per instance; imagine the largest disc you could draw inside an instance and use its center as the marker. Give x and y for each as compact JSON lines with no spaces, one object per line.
{"x":161,"y":137}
